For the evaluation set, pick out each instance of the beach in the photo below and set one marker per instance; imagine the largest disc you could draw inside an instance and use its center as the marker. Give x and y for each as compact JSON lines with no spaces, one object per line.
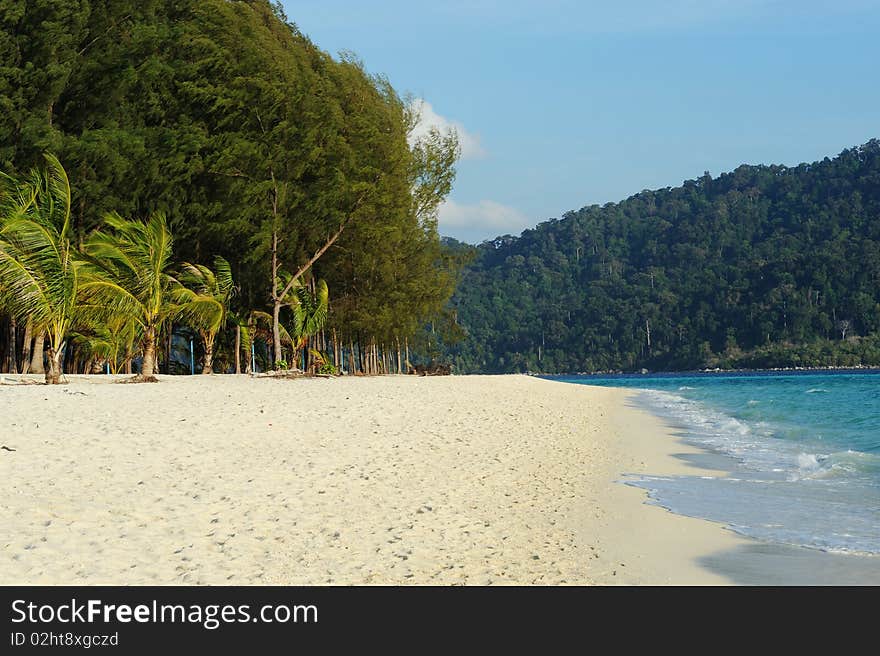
{"x":222,"y":480}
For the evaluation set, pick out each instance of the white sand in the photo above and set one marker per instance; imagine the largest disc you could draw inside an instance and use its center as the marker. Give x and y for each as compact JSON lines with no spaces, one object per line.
{"x":232,"y":480}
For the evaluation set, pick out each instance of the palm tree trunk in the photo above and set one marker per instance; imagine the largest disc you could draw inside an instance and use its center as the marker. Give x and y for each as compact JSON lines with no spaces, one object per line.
{"x":399,"y":361}
{"x":148,"y":364}
{"x":26,"y":347}
{"x":11,"y":364}
{"x":37,"y":357}
{"x":53,"y":373}
{"x":238,"y":349}
{"x":75,"y":357}
{"x":208,"y":366}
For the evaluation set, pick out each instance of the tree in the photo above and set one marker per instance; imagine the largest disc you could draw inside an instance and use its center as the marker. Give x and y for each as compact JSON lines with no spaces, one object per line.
{"x":309,"y":313}
{"x":754,"y":268}
{"x":257,"y":145}
{"x":204,"y":299}
{"x":39,"y":271}
{"x":127,"y":274}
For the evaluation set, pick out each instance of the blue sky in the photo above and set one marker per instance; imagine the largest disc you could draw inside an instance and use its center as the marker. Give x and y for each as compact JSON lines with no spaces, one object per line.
{"x":563,"y":104}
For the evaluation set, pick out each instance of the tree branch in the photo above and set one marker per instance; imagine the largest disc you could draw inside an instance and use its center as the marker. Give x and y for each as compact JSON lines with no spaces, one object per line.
{"x":101,"y":36}
{"x":328,"y":244}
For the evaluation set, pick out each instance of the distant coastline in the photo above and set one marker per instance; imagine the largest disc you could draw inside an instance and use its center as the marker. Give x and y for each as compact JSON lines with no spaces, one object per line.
{"x":645,"y":372}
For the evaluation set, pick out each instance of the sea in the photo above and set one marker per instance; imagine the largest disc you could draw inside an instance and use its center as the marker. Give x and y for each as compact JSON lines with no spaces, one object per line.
{"x":801,"y":451}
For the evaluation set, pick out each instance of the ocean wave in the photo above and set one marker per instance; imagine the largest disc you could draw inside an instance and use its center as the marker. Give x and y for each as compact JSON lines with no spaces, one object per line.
{"x":816,"y":390}
{"x":792,"y":479}
{"x":841,"y":464}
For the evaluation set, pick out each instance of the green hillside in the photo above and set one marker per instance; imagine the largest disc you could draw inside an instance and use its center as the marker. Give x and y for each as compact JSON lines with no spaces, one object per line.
{"x":765,"y":266}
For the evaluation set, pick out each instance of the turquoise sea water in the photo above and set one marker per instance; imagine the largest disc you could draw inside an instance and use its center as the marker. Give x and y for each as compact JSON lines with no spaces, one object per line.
{"x":802,"y":450}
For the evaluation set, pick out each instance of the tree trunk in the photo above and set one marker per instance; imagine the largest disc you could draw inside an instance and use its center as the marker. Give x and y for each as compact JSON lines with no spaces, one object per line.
{"x":37,"y":357}
{"x":168,"y":346}
{"x":11,"y":363}
{"x":148,"y":364}
{"x":249,"y":364}
{"x":406,"y":346}
{"x":276,"y":331}
{"x":75,"y":359}
{"x":53,"y":373}
{"x":26,"y":348}
{"x":399,"y":362}
{"x":208,"y":365}
{"x":238,"y":349}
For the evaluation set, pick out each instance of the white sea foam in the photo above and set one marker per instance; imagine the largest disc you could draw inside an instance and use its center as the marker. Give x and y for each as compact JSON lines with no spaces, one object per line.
{"x":808,"y":461}
{"x":787,"y":482}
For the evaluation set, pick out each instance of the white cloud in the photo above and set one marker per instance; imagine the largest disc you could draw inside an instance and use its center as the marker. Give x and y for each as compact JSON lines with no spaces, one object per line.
{"x":478,"y":221}
{"x":471,"y":148}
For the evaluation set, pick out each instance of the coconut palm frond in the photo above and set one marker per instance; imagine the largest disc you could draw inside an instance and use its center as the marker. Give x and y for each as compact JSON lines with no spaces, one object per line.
{"x":201,"y":311}
{"x":38,"y":265}
{"x":310,"y":310}
{"x":224,"y":277}
{"x":203,"y":299}
{"x":126,"y":274}
{"x":264,"y":319}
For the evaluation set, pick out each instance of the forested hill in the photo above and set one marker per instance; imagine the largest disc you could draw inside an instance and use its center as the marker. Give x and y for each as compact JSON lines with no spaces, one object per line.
{"x":761,"y":267}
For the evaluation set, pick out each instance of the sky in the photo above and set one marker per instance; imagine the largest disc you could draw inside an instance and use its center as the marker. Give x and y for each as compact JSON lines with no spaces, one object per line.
{"x":561,"y":104}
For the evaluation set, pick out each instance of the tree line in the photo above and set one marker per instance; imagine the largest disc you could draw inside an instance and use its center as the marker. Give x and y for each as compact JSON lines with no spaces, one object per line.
{"x":765,"y":266}
{"x":295,"y":194}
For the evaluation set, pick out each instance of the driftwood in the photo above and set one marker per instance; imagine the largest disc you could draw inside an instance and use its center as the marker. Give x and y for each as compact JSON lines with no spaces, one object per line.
{"x":19,"y":381}
{"x":279,"y":373}
{"x":431,"y":369}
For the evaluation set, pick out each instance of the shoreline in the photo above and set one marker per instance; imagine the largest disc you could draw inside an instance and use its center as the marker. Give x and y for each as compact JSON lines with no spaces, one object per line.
{"x":691,"y":372}
{"x":746,"y":560}
{"x":393,"y":480}
{"x":654,"y":545}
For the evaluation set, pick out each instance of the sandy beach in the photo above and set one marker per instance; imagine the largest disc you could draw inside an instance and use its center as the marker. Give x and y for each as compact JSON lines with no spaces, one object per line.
{"x":388,"y":480}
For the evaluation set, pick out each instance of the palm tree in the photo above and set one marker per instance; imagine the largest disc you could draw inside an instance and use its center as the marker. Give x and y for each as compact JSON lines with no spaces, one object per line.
{"x":256,"y":324}
{"x":309,"y":313}
{"x":204,"y":301}
{"x":109,"y":340}
{"x":127,"y":276}
{"x":39,"y":277}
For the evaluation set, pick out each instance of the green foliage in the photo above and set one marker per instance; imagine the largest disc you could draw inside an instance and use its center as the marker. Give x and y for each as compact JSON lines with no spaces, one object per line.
{"x":39,"y":271}
{"x":222,"y":115}
{"x":322,"y":363}
{"x":764,"y":266}
{"x":309,"y":311}
{"x":127,"y":277}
